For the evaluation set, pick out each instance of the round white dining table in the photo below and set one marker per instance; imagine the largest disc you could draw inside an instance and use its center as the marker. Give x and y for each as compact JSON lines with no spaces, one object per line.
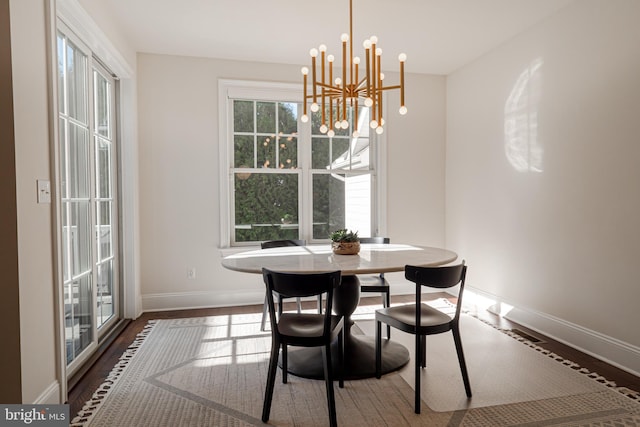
{"x":359,"y":350}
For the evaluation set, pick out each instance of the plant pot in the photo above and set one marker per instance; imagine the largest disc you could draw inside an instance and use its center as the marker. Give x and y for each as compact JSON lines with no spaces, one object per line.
{"x":345,"y":248}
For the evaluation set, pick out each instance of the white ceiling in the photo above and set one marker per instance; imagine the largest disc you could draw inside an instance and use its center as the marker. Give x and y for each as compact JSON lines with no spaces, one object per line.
{"x":438,"y":36}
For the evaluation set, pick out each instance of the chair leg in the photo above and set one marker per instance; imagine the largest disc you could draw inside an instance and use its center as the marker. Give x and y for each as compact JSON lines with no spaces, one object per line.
{"x":386,"y":302}
{"x":378,"y":349}
{"x":319,"y":304}
{"x":263,"y":322}
{"x":271,"y":379}
{"x":463,"y":365}
{"x":418,"y":372}
{"x":341,"y":358}
{"x":328,"y":378}
{"x":284,"y":363}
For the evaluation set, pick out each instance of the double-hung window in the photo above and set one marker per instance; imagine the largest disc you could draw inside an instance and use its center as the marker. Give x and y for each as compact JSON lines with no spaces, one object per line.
{"x":285,"y":179}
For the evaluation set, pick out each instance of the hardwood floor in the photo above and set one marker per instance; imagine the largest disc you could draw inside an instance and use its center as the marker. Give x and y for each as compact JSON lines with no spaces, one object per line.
{"x":96,"y":374}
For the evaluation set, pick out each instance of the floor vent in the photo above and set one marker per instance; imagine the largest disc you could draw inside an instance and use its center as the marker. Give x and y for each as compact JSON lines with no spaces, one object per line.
{"x":527,"y":336}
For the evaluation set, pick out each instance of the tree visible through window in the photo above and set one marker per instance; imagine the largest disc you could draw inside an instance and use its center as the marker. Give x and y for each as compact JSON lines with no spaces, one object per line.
{"x":289,"y":180}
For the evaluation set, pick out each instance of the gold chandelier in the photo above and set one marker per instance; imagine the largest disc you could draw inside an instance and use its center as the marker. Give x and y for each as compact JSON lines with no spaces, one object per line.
{"x":332,"y":97}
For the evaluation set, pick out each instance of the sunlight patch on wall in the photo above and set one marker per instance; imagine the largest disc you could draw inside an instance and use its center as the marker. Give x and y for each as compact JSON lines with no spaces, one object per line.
{"x":521,"y":144}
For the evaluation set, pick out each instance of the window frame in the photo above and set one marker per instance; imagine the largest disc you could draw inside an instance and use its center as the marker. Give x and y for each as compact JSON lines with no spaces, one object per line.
{"x":228,"y":91}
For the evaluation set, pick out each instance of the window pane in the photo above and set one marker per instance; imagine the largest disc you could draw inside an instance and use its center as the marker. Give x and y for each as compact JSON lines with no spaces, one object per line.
{"x":243,"y":151}
{"x":340,"y":153}
{"x":288,"y":118}
{"x":288,"y":152}
{"x":243,"y":116}
{"x":105,"y":293}
{"x":76,"y":83}
{"x":78,"y":316}
{"x":320,"y":147}
{"x":80,"y":238}
{"x":61,"y":75}
{"x":266,"y":207}
{"x":267,"y":152}
{"x":103,"y":168}
{"x":78,"y":162}
{"x":66,"y":238}
{"x":328,"y":204}
{"x":104,"y":230}
{"x":341,"y":201}
{"x":102,"y":103}
{"x":62,"y":128}
{"x":266,"y":117}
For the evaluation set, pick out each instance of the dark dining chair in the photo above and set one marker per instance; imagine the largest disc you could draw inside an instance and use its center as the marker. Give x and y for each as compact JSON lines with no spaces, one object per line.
{"x":304,"y":329}
{"x":278,"y":244}
{"x":421,"y":319}
{"x":377,"y":283}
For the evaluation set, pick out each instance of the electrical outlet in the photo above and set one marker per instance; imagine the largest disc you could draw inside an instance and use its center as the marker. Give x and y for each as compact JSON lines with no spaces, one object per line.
{"x":191,"y":273}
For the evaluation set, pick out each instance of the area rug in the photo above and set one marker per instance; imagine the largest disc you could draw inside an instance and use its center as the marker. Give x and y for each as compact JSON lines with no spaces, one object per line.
{"x":211,"y":371}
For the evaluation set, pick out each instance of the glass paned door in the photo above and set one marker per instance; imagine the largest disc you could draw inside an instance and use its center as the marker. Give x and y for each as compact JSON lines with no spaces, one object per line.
{"x":75,"y":175}
{"x":88,"y":199}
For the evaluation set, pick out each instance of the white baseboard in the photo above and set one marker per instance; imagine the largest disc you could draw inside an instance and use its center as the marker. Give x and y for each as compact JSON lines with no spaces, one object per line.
{"x":608,"y":349}
{"x":205,"y":299}
{"x":50,"y":396}
{"x":209,"y":299}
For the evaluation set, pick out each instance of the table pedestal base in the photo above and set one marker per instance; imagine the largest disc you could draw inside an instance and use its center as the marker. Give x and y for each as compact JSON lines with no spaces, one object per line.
{"x":359,"y":350}
{"x":359,"y":362}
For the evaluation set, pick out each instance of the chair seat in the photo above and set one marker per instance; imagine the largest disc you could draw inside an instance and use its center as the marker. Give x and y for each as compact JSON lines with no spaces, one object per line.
{"x":305,"y":326}
{"x":403,"y":317}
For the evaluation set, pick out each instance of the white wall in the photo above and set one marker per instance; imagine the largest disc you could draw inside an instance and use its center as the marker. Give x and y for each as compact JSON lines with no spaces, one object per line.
{"x":179,"y":205}
{"x":35,"y":245}
{"x":547,"y":213}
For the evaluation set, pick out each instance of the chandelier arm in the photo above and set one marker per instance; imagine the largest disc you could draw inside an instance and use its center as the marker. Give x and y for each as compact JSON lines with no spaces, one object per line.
{"x":350,"y":43}
{"x":361,"y":85}
{"x":344,"y":81}
{"x":379,"y":108}
{"x":374,"y":81}
{"x":313,"y":70}
{"x":368,"y":77}
{"x":401,"y":82}
{"x":323,"y":89}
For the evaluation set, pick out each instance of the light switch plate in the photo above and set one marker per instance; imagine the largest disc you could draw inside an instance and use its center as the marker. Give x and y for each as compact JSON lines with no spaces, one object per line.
{"x":44,"y":191}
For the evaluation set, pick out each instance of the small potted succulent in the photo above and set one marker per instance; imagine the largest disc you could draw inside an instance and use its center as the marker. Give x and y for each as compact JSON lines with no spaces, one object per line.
{"x":345,"y":242}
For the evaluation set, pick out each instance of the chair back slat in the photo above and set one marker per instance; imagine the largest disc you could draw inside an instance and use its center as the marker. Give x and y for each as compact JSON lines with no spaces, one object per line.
{"x":436,"y":277}
{"x":441,"y":277}
{"x":302,"y":285}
